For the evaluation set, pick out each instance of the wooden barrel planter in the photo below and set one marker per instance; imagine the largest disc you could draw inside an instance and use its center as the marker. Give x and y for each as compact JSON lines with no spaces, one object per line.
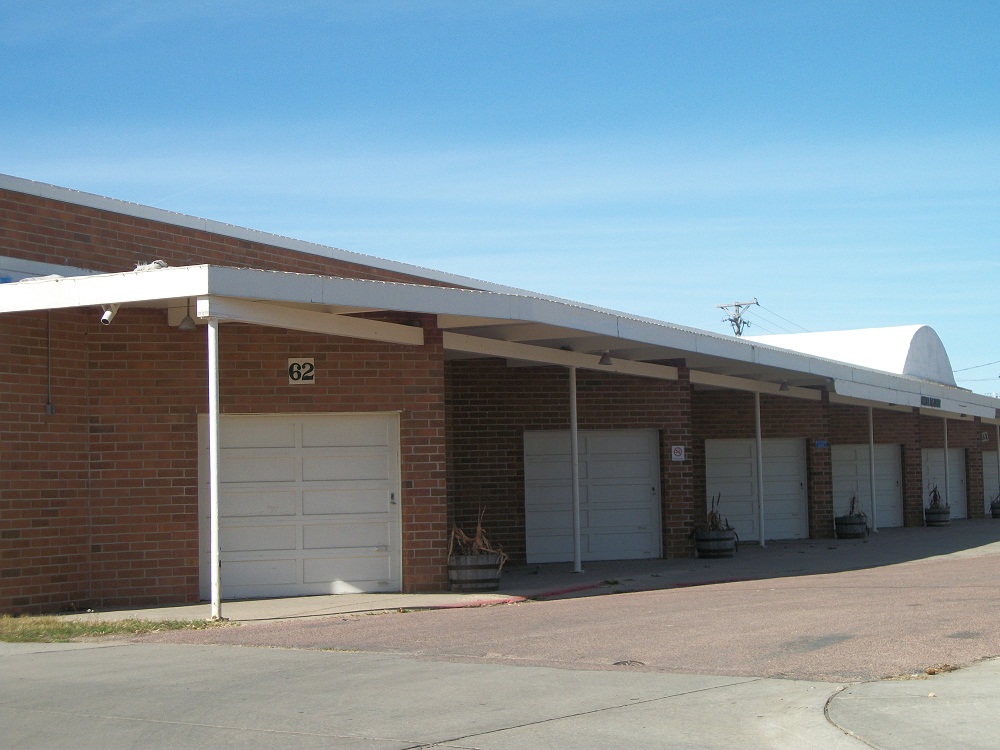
{"x":474,"y":572}
{"x":715,"y":543}
{"x":937,"y":516}
{"x":851,"y":527}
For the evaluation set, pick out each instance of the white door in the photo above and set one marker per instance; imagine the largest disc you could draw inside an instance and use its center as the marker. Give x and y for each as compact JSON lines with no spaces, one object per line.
{"x":852,"y":474}
{"x":991,"y":479}
{"x":932,"y":460}
{"x":731,"y":469}
{"x":309,"y":504}
{"x":619,"y":495}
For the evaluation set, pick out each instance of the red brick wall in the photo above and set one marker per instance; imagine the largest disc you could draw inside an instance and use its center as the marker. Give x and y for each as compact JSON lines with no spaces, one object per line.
{"x":44,"y":500}
{"x":100,"y":500}
{"x":51,"y":231}
{"x":490,"y":406}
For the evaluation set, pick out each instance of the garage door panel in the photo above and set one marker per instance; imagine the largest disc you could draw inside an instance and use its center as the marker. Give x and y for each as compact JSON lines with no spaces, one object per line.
{"x":344,"y":467}
{"x":551,"y":470}
{"x":727,"y":470}
{"x":722,"y":449}
{"x":622,"y":518}
{"x":257,"y":468}
{"x":243,"y":573}
{"x":548,"y":444}
{"x":344,"y":536}
{"x":345,"y":431}
{"x":256,"y":433}
{"x":619,"y":496}
{"x":345,"y":501}
{"x":345,"y":570}
{"x":549,"y":520}
{"x":237,"y":503}
{"x":244,"y":538}
{"x":611,"y":469}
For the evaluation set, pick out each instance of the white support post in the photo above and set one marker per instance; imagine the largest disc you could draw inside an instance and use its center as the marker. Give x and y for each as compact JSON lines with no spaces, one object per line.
{"x":998,"y":453}
{"x":871,"y":464}
{"x":574,"y":448}
{"x":213,"y":463}
{"x":947,"y":478}
{"x":760,"y":470}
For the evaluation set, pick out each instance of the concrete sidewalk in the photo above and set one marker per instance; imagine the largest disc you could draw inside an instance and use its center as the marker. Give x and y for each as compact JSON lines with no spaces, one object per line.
{"x":780,"y":559}
{"x":115,"y":695}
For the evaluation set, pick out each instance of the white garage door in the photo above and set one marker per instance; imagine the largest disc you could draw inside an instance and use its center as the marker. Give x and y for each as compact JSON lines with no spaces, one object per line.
{"x":932,"y":460}
{"x":619,"y":495}
{"x":309,"y":504}
{"x":852,"y":474}
{"x":991,"y":479}
{"x":731,"y":469}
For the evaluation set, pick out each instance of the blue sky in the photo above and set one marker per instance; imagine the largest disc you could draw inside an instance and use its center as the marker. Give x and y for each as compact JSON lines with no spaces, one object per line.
{"x":839,"y":161}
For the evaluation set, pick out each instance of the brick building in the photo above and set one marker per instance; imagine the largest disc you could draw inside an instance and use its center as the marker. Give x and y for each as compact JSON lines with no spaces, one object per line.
{"x":342,"y":412}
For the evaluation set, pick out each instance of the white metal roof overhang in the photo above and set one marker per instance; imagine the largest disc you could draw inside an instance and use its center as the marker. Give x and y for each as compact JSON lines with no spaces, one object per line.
{"x":520,"y":328}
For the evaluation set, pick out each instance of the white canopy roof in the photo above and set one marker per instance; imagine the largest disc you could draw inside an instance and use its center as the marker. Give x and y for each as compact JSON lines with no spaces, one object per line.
{"x":520,"y":327}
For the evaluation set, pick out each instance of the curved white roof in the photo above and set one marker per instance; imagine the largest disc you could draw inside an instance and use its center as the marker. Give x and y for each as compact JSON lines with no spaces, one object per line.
{"x":915,"y":351}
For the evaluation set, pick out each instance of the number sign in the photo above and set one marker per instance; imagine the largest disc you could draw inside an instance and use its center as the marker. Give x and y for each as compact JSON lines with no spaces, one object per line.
{"x":301,"y":371}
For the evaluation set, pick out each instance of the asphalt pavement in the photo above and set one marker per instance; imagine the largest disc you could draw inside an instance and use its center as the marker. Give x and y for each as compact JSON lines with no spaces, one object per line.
{"x":884,"y":643}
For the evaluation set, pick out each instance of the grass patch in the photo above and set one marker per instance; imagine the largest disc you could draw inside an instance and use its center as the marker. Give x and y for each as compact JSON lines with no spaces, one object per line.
{"x":51,"y":629}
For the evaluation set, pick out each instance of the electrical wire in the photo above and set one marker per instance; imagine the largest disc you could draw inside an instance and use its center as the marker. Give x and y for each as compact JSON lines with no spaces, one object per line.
{"x":790,"y":322}
{"x":976,"y":367}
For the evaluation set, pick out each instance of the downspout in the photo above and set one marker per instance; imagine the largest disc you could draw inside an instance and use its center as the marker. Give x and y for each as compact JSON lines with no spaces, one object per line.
{"x":871,"y":464}
{"x":213,"y":464}
{"x":574,"y":449}
{"x":760,"y":470}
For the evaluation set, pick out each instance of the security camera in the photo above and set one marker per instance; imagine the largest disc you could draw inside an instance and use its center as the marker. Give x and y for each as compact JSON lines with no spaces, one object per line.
{"x":109,"y":314}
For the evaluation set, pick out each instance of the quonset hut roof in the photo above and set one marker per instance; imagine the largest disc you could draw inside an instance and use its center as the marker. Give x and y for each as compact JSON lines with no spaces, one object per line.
{"x":915,"y":351}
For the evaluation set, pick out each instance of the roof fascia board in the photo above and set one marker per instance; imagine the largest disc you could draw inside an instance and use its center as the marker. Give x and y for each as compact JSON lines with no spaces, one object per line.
{"x":894,"y":396}
{"x":462,"y":342}
{"x":841,"y":400}
{"x":276,"y":316}
{"x":753,"y":386}
{"x":103,"y":289}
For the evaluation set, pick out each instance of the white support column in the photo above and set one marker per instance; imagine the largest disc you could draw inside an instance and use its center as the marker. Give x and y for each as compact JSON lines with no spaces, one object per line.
{"x":574,"y":448}
{"x":947,"y":478}
{"x":998,"y":452}
{"x":213,"y":463}
{"x":871,"y":464}
{"x":760,"y":469}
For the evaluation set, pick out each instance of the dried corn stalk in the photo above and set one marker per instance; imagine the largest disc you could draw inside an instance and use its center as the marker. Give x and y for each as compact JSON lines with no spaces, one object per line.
{"x":463,"y":544}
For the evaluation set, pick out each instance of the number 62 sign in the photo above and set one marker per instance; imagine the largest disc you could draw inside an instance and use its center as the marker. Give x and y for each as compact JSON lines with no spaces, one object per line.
{"x":301,"y":371}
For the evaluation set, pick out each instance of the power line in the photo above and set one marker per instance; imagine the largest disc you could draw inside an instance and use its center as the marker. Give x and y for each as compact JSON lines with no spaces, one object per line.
{"x":790,"y":322}
{"x":976,"y":367}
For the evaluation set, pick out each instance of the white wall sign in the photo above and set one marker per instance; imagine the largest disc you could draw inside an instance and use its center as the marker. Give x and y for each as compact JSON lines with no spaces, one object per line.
{"x":677,"y":453}
{"x":301,"y":371}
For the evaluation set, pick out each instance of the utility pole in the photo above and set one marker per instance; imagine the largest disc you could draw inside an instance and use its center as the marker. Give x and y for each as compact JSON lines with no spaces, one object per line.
{"x":735,"y":316}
